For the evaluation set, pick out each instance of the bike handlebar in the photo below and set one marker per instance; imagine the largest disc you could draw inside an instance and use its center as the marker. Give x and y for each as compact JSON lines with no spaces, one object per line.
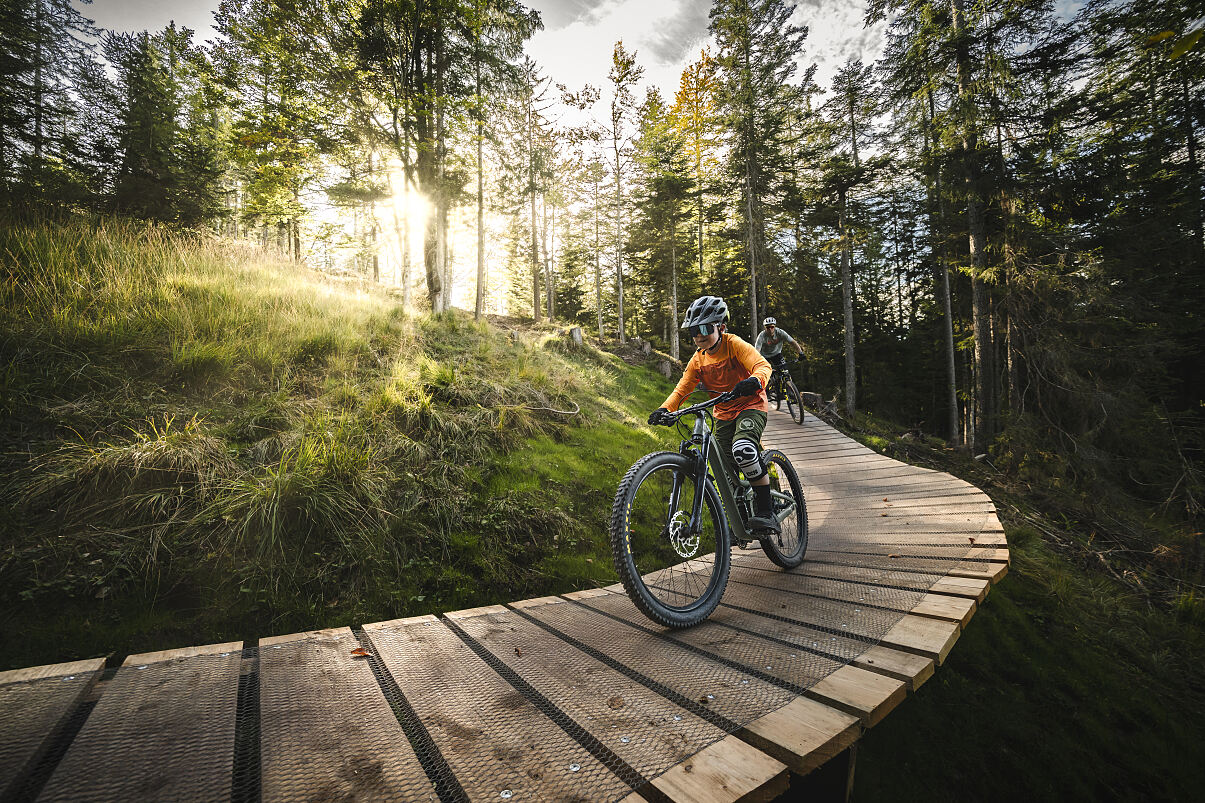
{"x":672,"y":417}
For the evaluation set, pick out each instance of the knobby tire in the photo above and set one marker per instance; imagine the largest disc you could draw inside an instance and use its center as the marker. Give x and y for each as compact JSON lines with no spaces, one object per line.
{"x":674,"y":587}
{"x":794,"y":401}
{"x":794,"y":535}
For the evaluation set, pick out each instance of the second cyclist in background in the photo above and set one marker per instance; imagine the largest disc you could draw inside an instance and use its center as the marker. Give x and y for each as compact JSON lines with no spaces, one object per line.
{"x":769,"y":343}
{"x":722,"y":363}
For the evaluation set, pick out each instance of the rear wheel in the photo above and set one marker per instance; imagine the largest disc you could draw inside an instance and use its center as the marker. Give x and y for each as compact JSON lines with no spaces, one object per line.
{"x":675,"y":577}
{"x":787,"y":548}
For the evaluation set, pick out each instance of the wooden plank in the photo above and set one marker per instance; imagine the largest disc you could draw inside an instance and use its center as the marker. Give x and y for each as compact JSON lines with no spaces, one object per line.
{"x":936,"y":606}
{"x":726,"y":691}
{"x":162,"y":730}
{"x":913,"y":670}
{"x":328,"y":633}
{"x":535,"y":603}
{"x":939,"y":606}
{"x":35,"y":704}
{"x":992,"y":572}
{"x":873,"y":576}
{"x":868,"y":695}
{"x":587,"y":593}
{"x":182,"y":653}
{"x":650,"y":733}
{"x":52,"y":671}
{"x":803,"y":734}
{"x":730,"y":769}
{"x":492,"y":737}
{"x":931,"y":638}
{"x":326,"y":730}
{"x":975,"y":588}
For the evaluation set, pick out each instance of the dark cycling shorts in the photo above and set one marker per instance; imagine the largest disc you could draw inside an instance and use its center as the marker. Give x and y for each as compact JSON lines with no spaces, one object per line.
{"x":749,"y":424}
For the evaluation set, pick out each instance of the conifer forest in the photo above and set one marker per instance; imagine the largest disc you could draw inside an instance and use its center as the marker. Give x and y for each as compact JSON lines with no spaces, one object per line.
{"x":993,"y":235}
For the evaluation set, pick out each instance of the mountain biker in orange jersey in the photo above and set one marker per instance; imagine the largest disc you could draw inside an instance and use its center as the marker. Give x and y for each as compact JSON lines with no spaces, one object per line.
{"x":722,"y":363}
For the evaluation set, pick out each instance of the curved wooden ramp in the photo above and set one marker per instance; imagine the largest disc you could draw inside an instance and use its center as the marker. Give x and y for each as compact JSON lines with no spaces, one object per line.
{"x":561,"y":698}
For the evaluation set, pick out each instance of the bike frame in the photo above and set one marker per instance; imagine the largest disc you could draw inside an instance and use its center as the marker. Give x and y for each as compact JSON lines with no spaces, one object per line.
{"x":703,"y":448}
{"x":779,"y":377}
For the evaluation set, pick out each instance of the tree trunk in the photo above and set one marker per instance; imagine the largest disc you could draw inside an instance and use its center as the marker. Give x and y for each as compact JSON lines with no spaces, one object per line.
{"x":405,"y":239}
{"x":618,"y":234}
{"x":597,"y":261}
{"x":552,"y":265}
{"x":37,"y":85}
{"x":544,"y":253}
{"x":1194,"y":178}
{"x":976,"y":236}
{"x":531,"y":187}
{"x":847,"y":297}
{"x":944,"y":270}
{"x":535,"y":261}
{"x":479,"y":306}
{"x":673,"y":295}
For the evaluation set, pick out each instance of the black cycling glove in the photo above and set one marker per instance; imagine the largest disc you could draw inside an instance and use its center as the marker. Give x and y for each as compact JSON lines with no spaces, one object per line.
{"x":747,"y":386}
{"x":660,"y":416}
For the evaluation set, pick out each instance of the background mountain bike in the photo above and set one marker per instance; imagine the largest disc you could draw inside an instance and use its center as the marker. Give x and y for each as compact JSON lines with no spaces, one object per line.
{"x":782,"y":387}
{"x":676,"y":514}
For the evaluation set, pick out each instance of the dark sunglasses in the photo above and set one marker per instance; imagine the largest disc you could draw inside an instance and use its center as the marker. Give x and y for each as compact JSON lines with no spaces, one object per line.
{"x":702,"y":329}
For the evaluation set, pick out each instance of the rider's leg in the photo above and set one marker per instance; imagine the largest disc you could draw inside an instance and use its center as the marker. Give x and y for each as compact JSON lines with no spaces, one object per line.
{"x":746,"y":454}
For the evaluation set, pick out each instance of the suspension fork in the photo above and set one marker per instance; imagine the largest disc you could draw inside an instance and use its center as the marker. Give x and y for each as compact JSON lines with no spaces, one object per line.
{"x":696,"y":449}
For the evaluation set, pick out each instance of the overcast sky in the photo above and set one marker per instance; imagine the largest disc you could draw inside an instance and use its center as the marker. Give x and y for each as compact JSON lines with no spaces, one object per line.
{"x":575,"y":45}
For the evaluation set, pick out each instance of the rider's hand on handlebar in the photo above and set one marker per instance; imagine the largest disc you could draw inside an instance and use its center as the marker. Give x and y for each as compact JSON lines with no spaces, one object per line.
{"x":747,"y":386}
{"x":660,"y":417}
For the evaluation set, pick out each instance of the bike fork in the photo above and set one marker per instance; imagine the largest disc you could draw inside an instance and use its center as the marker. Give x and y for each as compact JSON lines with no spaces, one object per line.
{"x":700,"y":477}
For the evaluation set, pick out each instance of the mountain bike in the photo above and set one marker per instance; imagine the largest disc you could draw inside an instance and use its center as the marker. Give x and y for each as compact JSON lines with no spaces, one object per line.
{"x":782,"y":386}
{"x":676,"y":515}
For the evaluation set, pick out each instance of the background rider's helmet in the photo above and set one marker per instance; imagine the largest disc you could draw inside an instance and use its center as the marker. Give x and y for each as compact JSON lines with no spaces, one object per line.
{"x":705,"y":309}
{"x":769,"y":322}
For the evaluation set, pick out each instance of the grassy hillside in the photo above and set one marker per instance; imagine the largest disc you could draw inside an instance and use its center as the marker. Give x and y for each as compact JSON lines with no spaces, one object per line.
{"x":198,"y":444}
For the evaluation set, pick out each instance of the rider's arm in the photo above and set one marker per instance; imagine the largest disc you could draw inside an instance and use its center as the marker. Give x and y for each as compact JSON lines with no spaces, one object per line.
{"x":686,"y":385}
{"x":791,"y":340}
{"x":751,"y":358}
{"x":760,"y":341}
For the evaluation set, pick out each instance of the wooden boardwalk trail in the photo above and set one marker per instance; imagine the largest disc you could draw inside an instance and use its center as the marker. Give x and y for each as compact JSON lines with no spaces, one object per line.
{"x":577,"y":697}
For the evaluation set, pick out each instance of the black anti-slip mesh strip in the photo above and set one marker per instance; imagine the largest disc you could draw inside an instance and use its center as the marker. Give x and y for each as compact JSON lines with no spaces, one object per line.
{"x":245,"y":786}
{"x":429,"y":755}
{"x":583,"y":737}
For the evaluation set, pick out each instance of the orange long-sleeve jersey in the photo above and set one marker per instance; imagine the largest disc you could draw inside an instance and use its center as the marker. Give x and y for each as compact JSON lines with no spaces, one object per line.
{"x":733,"y":360}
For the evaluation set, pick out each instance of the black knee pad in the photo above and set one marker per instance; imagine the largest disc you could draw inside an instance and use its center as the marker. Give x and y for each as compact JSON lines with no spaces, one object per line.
{"x":747,"y":458}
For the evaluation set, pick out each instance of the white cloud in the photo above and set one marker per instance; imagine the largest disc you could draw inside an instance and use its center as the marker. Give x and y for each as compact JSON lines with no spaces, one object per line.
{"x":666,"y":34}
{"x":575,"y":47}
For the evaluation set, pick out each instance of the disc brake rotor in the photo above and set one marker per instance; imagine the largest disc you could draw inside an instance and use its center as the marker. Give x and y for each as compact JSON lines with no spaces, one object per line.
{"x":680,"y":538}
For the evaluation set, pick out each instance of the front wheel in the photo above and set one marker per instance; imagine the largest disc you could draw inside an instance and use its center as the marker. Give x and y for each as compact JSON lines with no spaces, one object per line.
{"x":674,"y":576}
{"x":786,"y":494}
{"x":794,"y":402}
